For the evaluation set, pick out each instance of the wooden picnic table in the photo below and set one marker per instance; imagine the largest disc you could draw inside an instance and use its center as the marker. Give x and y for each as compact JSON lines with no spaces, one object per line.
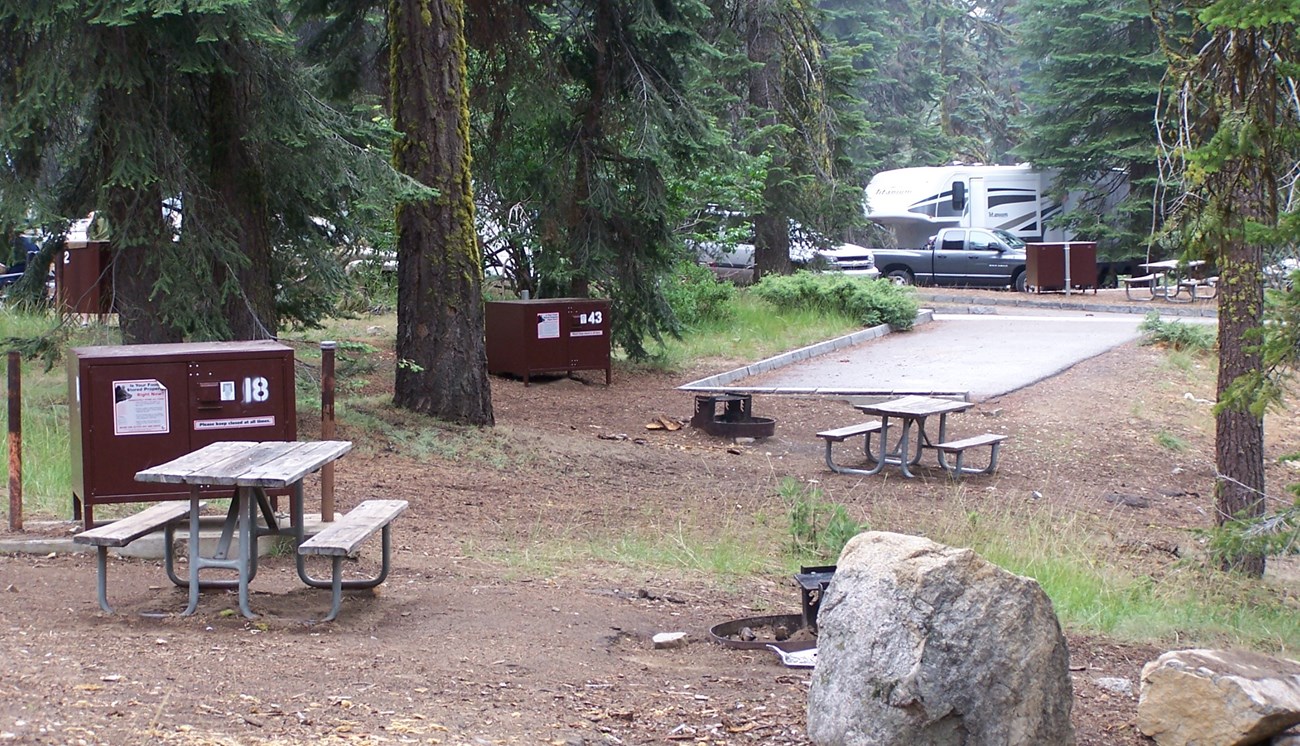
{"x":909,"y":413}
{"x":1172,"y":278}
{"x":250,"y":468}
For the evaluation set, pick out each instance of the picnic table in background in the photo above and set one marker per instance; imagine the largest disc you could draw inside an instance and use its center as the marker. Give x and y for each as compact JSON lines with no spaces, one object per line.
{"x":1172,"y":279}
{"x":904,"y":437}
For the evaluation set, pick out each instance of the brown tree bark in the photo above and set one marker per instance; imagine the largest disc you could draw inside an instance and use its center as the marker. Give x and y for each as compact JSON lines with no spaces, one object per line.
{"x":250,"y":311}
{"x":1242,"y":192}
{"x":772,"y":227}
{"x":134,"y":221}
{"x":442,"y":358}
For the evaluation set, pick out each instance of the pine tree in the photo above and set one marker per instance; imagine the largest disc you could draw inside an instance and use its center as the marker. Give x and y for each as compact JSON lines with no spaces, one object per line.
{"x":1232,"y":130}
{"x":1093,"y":73}
{"x":137,"y":108}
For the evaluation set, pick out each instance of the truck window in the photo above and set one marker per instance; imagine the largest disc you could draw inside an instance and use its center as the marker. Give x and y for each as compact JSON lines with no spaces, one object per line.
{"x":953,"y":241}
{"x":980,"y":241}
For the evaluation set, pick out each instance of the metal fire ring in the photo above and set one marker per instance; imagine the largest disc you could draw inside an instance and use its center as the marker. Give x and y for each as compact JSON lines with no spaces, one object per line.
{"x":725,"y":633}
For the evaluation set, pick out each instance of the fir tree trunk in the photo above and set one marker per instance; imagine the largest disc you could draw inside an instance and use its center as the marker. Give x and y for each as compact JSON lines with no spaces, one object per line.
{"x":135,"y":223}
{"x":442,"y":359}
{"x":135,"y":268}
{"x":772,"y":227}
{"x":1242,"y":193}
{"x":1239,"y":433}
{"x":250,"y":310}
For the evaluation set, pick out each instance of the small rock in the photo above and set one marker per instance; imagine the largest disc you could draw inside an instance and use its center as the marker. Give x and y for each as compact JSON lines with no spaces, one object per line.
{"x":743,"y":441}
{"x":1128,"y":501}
{"x":747,"y":634}
{"x":11,"y":588}
{"x":669,"y":640}
{"x":992,"y":412}
{"x":1116,"y":685}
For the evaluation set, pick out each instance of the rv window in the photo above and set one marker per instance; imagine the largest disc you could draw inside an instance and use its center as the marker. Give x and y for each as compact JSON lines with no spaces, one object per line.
{"x":959,"y":195}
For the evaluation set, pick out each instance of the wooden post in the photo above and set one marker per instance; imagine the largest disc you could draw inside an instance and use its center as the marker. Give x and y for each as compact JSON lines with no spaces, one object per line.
{"x":15,"y":442}
{"x":327,"y":427}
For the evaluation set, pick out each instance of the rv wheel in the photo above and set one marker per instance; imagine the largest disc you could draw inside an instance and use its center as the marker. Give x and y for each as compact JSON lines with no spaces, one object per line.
{"x":901,"y":277}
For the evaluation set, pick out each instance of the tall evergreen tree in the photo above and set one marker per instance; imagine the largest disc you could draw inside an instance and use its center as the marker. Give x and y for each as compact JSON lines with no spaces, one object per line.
{"x":137,"y":108}
{"x":1232,"y":130}
{"x":1093,"y":79}
{"x":442,"y":359}
{"x":580,"y":118}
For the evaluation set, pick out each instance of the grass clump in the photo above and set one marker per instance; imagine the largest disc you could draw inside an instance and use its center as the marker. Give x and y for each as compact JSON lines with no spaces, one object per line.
{"x":697,"y":297}
{"x":1176,"y":335}
{"x":1169,"y":441}
{"x":1186,"y":601}
{"x":818,"y":529}
{"x":869,"y":302}
{"x":750,"y":330}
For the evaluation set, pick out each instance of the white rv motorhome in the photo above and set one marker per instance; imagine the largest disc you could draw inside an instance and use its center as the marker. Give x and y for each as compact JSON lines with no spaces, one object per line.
{"x":915,"y":203}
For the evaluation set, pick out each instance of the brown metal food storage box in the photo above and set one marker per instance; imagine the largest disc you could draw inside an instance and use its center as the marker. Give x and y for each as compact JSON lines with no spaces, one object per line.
{"x":1045,"y":265}
{"x":549,"y":335}
{"x":136,"y":406}
{"x":83,"y":278}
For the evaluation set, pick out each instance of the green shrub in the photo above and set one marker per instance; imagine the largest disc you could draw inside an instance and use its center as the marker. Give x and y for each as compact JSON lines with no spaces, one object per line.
{"x":696,"y":296}
{"x":818,"y":528}
{"x":871,"y":302}
{"x":1175,"y":334}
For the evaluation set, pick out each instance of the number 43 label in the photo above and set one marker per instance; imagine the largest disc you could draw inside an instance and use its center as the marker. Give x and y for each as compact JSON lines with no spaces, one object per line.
{"x":595,"y":317}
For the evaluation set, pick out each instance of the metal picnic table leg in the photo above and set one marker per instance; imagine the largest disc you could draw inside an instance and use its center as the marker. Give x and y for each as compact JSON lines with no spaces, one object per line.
{"x":247,"y":543}
{"x":943,"y":438}
{"x":195,"y":557}
{"x":218,"y":559}
{"x":902,"y":446}
{"x":101,"y":584}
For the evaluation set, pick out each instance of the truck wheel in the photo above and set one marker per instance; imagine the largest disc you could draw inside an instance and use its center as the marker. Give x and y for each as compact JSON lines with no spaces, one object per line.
{"x":1018,"y":283}
{"x":901,"y":277}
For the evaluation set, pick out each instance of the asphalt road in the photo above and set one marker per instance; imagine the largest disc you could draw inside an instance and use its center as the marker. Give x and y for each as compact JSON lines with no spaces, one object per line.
{"x":979,"y":355}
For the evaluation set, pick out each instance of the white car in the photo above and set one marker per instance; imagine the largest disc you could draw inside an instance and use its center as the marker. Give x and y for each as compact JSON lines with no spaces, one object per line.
{"x":851,"y":259}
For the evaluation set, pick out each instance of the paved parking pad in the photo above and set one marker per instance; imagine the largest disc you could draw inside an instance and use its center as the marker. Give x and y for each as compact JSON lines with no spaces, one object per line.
{"x":981,"y":356}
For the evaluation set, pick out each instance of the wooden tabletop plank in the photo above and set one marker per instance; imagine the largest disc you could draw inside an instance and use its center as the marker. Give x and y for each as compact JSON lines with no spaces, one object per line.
{"x":914,"y":406}
{"x":176,"y":470}
{"x":293,"y":464}
{"x":247,"y":464}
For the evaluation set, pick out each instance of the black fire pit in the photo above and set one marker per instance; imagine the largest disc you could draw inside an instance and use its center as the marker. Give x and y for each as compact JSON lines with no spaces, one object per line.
{"x":736,"y":420}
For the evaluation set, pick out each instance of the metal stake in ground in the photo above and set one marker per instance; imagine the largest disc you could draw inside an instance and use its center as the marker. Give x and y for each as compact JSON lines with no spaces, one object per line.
{"x":15,"y":442}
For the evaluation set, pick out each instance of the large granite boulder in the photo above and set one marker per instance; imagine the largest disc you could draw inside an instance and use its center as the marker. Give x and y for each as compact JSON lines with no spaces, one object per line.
{"x":922,"y":644}
{"x":1218,"y":697}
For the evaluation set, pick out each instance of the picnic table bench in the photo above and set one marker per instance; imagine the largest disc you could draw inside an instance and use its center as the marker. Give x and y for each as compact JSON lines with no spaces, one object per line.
{"x":841,"y":434}
{"x":344,"y":538}
{"x":121,"y":533}
{"x":959,"y":448}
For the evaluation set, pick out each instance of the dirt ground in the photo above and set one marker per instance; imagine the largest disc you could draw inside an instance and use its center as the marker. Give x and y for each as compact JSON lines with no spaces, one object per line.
{"x":483,"y":635}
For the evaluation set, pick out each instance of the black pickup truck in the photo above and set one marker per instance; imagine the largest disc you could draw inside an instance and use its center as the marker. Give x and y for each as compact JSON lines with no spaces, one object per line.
{"x":976,"y":257}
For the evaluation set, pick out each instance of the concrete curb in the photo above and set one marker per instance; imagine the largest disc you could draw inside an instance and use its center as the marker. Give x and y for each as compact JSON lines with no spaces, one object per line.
{"x":1032,"y":300}
{"x":150,"y":546}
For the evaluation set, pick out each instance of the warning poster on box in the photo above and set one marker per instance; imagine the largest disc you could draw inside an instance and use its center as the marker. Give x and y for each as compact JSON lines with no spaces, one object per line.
{"x":140,"y":407}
